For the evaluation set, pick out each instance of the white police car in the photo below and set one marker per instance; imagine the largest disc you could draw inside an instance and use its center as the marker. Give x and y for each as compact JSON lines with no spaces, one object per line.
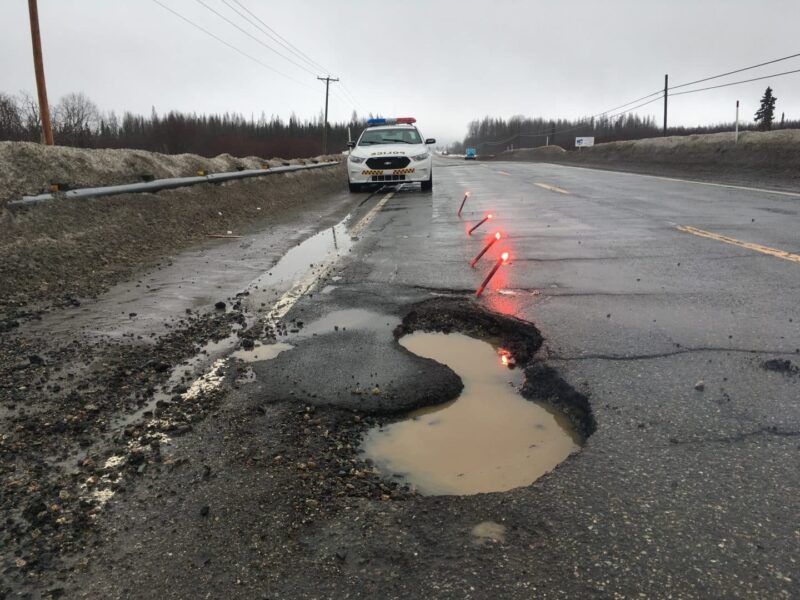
{"x":390,"y":151}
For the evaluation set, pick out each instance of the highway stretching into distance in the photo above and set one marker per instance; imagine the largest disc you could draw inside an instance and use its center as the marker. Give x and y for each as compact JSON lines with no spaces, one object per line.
{"x":658,"y":299}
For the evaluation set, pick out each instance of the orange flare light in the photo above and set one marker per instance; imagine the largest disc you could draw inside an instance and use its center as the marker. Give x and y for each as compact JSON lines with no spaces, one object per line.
{"x":491,"y":242}
{"x":500,"y":261}
{"x":488,"y":217}
{"x":460,"y":208}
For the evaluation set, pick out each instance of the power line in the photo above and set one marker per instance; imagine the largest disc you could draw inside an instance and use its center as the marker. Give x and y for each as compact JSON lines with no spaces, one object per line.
{"x":722,"y":85}
{"x":619,"y":114}
{"x":769,"y":62}
{"x":660,"y":95}
{"x":283,"y":41}
{"x":229,"y":45}
{"x":275,"y":36}
{"x":348,"y":99}
{"x":626,"y":104}
{"x":272,"y":38}
{"x":248,"y":34}
{"x":575,"y":127}
{"x":351,"y":99}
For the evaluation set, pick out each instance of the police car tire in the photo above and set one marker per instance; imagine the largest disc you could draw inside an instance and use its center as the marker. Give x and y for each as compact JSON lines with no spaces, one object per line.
{"x":355,"y":187}
{"x":427,"y":186}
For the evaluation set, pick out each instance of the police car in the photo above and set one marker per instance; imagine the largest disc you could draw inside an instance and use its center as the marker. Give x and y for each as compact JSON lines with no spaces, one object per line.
{"x":390,"y":151}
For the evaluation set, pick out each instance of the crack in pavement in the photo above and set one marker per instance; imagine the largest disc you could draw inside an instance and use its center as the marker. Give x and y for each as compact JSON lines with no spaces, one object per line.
{"x":555,"y":294}
{"x":443,"y":290}
{"x":739,"y":437}
{"x":666,"y":354}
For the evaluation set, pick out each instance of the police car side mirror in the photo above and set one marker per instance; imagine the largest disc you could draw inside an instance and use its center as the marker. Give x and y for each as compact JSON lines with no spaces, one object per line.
{"x":351,"y":144}
{"x":430,"y":141}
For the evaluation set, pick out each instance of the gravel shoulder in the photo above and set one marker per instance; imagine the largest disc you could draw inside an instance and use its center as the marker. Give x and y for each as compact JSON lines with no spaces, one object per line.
{"x":84,"y":415}
{"x":57,"y":253}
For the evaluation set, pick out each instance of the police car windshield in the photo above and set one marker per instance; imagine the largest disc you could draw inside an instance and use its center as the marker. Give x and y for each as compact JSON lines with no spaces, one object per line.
{"x":405,"y":135}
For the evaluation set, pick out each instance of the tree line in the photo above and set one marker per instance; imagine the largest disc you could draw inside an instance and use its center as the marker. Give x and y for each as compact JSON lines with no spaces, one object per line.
{"x":494,"y":135}
{"x":78,"y":121}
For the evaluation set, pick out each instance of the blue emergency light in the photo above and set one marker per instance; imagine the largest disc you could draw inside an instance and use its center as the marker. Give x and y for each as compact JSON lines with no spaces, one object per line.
{"x":397,"y":121}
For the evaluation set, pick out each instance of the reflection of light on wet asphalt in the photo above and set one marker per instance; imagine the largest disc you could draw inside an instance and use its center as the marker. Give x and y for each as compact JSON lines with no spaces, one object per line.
{"x":552,"y":188}
{"x":263,"y":352}
{"x":489,"y":439}
{"x":303,"y":265}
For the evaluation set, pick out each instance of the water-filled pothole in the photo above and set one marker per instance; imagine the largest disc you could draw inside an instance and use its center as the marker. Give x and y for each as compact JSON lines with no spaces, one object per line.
{"x":489,"y":439}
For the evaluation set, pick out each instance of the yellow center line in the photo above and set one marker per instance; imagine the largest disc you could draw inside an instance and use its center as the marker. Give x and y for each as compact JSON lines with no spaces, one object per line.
{"x":552,"y":188}
{"x":503,"y":173}
{"x":749,"y":245}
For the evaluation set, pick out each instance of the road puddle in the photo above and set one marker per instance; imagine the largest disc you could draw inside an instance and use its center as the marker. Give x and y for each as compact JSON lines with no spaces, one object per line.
{"x":263,"y":352}
{"x":490,"y":439}
{"x":306,"y":262}
{"x":349,"y":319}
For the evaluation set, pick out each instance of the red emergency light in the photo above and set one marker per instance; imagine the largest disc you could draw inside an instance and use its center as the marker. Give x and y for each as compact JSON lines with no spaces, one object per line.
{"x":495,"y":238}
{"x":488,"y":217}
{"x":500,"y":261}
{"x":460,"y":208}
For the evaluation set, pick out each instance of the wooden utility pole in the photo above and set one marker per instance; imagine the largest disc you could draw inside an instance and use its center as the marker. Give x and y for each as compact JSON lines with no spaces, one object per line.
{"x":44,"y":107}
{"x":327,"y":81}
{"x":666,"y":91}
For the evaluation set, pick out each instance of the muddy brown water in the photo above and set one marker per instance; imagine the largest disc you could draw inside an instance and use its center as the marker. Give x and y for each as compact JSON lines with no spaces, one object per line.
{"x":490,"y":439}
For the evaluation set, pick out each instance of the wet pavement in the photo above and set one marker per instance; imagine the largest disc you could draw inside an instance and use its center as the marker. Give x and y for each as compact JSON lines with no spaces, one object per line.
{"x":685,"y":489}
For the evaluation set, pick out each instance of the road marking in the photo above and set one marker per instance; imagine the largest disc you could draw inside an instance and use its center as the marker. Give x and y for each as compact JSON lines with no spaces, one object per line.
{"x":749,"y":245}
{"x":502,"y":173}
{"x":285,"y":303}
{"x":367,"y":218}
{"x":552,"y":188}
{"x":722,"y":185}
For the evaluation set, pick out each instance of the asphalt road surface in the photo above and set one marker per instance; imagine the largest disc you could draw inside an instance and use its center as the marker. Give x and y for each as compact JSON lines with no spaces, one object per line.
{"x":660,"y":300}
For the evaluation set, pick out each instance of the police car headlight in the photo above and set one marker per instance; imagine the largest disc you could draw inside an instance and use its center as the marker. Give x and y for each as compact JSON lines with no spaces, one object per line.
{"x":356,"y":159}
{"x":422,"y":156}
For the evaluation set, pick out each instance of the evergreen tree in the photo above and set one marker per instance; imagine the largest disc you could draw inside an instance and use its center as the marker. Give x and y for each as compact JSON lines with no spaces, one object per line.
{"x":766,"y":112}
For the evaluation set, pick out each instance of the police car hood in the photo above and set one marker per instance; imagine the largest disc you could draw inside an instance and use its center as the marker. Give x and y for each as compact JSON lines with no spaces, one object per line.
{"x":390,"y":150}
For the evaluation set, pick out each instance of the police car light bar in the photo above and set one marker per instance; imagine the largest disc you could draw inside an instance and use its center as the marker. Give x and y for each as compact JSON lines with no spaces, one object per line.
{"x":397,"y":121}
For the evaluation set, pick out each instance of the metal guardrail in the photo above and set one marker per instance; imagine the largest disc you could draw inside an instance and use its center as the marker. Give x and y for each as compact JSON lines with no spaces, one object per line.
{"x":162,"y":184}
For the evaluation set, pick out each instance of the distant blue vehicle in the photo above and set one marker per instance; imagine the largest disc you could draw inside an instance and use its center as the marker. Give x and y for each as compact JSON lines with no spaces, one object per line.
{"x":470,"y":154}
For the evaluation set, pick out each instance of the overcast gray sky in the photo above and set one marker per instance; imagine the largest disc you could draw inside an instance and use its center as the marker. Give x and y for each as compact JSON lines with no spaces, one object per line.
{"x":442,"y":61}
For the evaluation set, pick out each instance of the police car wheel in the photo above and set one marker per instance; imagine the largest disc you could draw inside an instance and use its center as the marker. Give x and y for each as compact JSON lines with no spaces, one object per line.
{"x":355,"y":187}
{"x":427,"y":186}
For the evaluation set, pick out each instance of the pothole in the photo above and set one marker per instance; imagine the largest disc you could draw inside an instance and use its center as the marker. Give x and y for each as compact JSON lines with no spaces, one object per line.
{"x":489,"y":439}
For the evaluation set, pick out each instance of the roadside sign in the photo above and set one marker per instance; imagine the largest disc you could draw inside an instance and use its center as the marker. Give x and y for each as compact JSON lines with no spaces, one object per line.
{"x":584,"y":142}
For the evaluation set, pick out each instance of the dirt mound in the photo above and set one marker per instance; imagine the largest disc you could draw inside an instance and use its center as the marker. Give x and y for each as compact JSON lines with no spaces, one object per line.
{"x":63,"y":250}
{"x":543,"y":153}
{"x":773,"y":149}
{"x":769,"y":158}
{"x":29,"y":168}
